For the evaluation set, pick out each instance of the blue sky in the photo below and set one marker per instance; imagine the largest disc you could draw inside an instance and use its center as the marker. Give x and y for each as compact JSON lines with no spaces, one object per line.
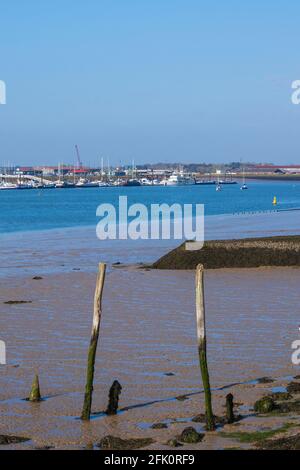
{"x":150,"y":80}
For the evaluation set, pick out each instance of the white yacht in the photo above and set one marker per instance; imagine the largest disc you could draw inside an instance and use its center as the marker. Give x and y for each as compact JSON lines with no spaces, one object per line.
{"x":83,"y":183}
{"x":6,"y":186}
{"x":117,"y":182}
{"x":22,"y":185}
{"x":48,"y":185}
{"x":177,"y":179}
{"x":244,"y":186}
{"x":145,"y":182}
{"x":164,"y":182}
{"x":60,"y":184}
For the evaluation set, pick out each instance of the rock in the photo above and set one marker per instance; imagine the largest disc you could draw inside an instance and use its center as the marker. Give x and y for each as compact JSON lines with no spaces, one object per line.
{"x":293,"y":387}
{"x":200,"y":418}
{"x":265,"y":380}
{"x":173,"y":443}
{"x":182,"y":398}
{"x":18,"y":302}
{"x":297,"y":377}
{"x":280,"y":396}
{"x":289,"y":407}
{"x":6,"y":440}
{"x":117,"y":263}
{"x":169,"y":374}
{"x":116,"y":443}
{"x":264,"y":405}
{"x":37,"y":278}
{"x":284,"y":443}
{"x":45,"y":448}
{"x":159,"y":426}
{"x":190,"y":436}
{"x":89,"y":446}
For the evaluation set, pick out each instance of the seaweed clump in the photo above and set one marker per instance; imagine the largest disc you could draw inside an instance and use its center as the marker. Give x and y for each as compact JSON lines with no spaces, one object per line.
{"x":116,"y":443}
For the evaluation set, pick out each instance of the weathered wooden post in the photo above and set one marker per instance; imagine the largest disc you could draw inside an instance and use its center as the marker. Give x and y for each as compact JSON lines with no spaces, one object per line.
{"x":87,"y":405}
{"x":201,"y":336}
{"x":113,"y":398}
{"x":35,"y":394}
{"x":229,"y":408}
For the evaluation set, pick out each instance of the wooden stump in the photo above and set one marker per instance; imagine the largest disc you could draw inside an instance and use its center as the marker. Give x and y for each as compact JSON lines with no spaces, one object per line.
{"x":35,"y":394}
{"x":229,"y":408}
{"x":113,"y":397}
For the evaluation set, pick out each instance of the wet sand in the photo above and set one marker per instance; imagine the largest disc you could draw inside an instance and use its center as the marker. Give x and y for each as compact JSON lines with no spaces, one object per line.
{"x":147,"y":334}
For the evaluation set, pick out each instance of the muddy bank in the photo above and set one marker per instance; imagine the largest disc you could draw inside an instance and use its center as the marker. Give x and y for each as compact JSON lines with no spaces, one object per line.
{"x":148,"y":344}
{"x":244,"y":253}
{"x":139,"y":428}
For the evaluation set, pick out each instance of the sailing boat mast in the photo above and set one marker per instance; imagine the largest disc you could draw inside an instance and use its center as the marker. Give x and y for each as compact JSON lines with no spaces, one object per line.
{"x":244,"y":186}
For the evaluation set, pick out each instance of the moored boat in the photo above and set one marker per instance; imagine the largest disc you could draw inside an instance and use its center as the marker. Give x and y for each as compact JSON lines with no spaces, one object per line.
{"x":178,"y":179}
{"x":204,"y":182}
{"x":132,"y":182}
{"x":6,"y":186}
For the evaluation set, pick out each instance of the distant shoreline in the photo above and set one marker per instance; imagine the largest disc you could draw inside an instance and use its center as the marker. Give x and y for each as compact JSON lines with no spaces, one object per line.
{"x":240,"y":253}
{"x":270,"y":177}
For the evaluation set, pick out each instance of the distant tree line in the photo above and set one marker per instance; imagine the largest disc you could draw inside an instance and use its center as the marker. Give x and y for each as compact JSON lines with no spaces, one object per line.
{"x":200,"y":167}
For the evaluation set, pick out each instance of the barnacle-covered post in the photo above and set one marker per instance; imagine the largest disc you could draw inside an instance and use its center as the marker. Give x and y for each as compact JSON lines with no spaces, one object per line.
{"x":201,"y":337}
{"x":87,"y":405}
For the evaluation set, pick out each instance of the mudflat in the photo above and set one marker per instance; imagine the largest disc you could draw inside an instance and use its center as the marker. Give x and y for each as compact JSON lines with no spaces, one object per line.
{"x":148,"y":343}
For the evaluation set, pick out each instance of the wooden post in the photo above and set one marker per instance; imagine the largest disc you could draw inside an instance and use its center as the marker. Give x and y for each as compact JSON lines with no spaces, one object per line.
{"x":87,"y":405}
{"x":229,"y":408}
{"x":113,"y":398}
{"x":35,"y":394}
{"x":201,"y":336}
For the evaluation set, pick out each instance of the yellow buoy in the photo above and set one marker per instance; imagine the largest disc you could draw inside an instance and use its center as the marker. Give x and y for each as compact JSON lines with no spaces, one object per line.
{"x":274,"y":200}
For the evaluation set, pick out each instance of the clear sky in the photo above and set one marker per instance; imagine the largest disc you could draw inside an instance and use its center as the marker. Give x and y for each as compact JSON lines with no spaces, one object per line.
{"x":150,"y":80}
